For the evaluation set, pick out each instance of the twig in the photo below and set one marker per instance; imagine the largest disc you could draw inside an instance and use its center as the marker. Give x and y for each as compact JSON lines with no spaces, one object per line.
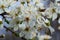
{"x":16,"y":34}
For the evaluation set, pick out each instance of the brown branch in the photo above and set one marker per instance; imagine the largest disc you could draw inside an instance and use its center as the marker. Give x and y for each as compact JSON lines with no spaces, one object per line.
{"x":16,"y":34}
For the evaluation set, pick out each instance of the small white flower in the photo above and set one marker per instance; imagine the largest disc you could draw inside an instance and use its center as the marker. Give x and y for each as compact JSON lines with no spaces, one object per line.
{"x":5,"y":3}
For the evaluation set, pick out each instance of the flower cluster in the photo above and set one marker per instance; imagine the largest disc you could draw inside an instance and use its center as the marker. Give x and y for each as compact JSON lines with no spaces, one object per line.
{"x":32,"y":18}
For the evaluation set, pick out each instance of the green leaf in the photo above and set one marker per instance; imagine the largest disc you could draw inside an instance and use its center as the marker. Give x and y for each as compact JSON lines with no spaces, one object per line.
{"x":22,"y":2}
{"x":17,"y":22}
{"x":48,"y":24}
{"x":7,"y":21}
{"x":21,"y":22}
{"x":0,"y":22}
{"x":16,"y":34}
{"x":1,"y":36}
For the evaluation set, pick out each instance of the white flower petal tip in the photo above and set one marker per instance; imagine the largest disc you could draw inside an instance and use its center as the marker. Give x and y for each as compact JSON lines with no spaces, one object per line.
{"x":22,"y":26}
{"x":46,"y":37}
{"x":59,"y":28}
{"x":51,"y":29}
{"x":54,"y":16}
{"x":59,"y":20}
{"x":46,"y":21}
{"x":7,"y":10}
{"x":0,"y":19}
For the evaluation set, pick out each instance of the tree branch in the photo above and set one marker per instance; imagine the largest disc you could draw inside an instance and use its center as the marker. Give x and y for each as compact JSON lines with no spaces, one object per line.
{"x":16,"y":34}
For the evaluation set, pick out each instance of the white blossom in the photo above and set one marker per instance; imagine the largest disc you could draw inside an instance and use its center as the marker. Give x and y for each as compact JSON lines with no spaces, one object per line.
{"x":26,"y":16}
